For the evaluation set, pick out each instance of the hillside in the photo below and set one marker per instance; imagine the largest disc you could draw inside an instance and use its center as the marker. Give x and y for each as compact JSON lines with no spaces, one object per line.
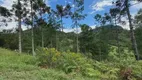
{"x":14,"y":66}
{"x":22,"y":67}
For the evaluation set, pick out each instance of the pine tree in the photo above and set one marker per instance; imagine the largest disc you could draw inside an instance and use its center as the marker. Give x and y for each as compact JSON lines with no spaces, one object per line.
{"x":124,"y":5}
{"x":76,"y":17}
{"x":20,"y":10}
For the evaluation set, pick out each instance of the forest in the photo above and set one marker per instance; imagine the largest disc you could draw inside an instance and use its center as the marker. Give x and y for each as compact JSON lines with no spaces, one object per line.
{"x":45,"y":50}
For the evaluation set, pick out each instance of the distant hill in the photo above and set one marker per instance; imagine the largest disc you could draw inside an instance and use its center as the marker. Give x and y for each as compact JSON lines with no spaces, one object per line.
{"x":111,"y":34}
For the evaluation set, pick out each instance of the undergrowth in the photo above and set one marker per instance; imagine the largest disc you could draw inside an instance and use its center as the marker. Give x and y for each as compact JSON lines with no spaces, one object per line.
{"x":50,"y":64}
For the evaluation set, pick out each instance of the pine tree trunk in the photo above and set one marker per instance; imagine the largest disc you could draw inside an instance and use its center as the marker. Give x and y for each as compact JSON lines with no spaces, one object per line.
{"x":41,"y":27}
{"x":42,"y":36}
{"x":117,"y":39}
{"x":133,"y":39}
{"x":62,"y":24}
{"x":56,"y":41}
{"x":20,"y":38}
{"x":19,"y":28}
{"x":51,"y":43}
{"x":100,"y":53}
{"x":77,"y":46}
{"x":75,"y":25}
{"x":33,"y":51}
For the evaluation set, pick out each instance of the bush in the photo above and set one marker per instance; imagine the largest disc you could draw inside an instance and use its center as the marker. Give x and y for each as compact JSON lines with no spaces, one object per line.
{"x":69,"y":62}
{"x":125,"y":61}
{"x":48,"y":57}
{"x":115,"y":68}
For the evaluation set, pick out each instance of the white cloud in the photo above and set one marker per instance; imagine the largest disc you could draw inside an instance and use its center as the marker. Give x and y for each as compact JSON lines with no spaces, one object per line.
{"x":79,"y":29}
{"x":68,"y":30}
{"x":72,"y":30}
{"x":47,"y":2}
{"x":7,"y":3}
{"x":99,"y":6}
{"x":126,"y":26}
{"x":93,"y":26}
{"x":12,"y":25}
{"x":135,"y":7}
{"x":73,"y":5}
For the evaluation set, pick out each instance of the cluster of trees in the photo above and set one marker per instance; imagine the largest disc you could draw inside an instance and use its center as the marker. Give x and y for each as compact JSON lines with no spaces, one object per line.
{"x":47,"y":28}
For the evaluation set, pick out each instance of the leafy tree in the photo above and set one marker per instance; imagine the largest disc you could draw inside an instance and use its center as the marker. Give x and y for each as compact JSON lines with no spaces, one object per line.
{"x":36,"y":6}
{"x":5,"y":15}
{"x":5,"y":12}
{"x":8,"y":39}
{"x":108,"y":18}
{"x":114,"y":12}
{"x":86,"y":38}
{"x":63,"y":12}
{"x":33,"y":9}
{"x":103,"y":20}
{"x":42,"y":10}
{"x":138,"y":18}
{"x":138,"y":30}
{"x":76,"y":17}
{"x":54,"y":23}
{"x":20,"y":10}
{"x":100,"y":19}
{"x":124,"y":5}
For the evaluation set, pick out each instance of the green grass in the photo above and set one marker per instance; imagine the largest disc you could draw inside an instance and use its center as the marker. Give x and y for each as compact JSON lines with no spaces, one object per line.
{"x":14,"y":66}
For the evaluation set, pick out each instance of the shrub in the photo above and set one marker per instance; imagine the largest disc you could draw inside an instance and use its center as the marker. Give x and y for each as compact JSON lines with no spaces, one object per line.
{"x":48,"y":57}
{"x":69,"y":62}
{"x":115,"y":68}
{"x":73,"y":62}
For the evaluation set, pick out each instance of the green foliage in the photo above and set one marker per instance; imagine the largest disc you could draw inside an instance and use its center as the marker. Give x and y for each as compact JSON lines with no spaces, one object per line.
{"x":14,"y":61}
{"x":23,"y":67}
{"x":8,"y":40}
{"x":108,"y":70}
{"x":69,"y":62}
{"x":68,"y":66}
{"x":125,"y":55}
{"x":126,"y":62}
{"x":137,"y":68}
{"x":86,"y":38}
{"x":5,"y":12}
{"x":138,"y":31}
{"x":105,"y":52}
{"x":48,"y":57}
{"x":66,"y":45}
{"x":72,"y":63}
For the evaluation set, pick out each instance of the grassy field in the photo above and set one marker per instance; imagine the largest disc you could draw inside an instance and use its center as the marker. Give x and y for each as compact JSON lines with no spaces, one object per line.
{"x":23,"y":67}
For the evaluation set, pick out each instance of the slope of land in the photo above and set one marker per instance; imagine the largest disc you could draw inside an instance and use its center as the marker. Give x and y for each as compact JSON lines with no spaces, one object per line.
{"x":23,"y":67}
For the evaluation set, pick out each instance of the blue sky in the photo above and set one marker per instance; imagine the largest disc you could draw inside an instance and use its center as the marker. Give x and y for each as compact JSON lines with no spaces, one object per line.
{"x":92,"y":7}
{"x":88,"y":10}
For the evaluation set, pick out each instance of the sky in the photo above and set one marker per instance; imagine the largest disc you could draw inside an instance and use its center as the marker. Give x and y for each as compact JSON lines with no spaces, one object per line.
{"x":91,"y":7}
